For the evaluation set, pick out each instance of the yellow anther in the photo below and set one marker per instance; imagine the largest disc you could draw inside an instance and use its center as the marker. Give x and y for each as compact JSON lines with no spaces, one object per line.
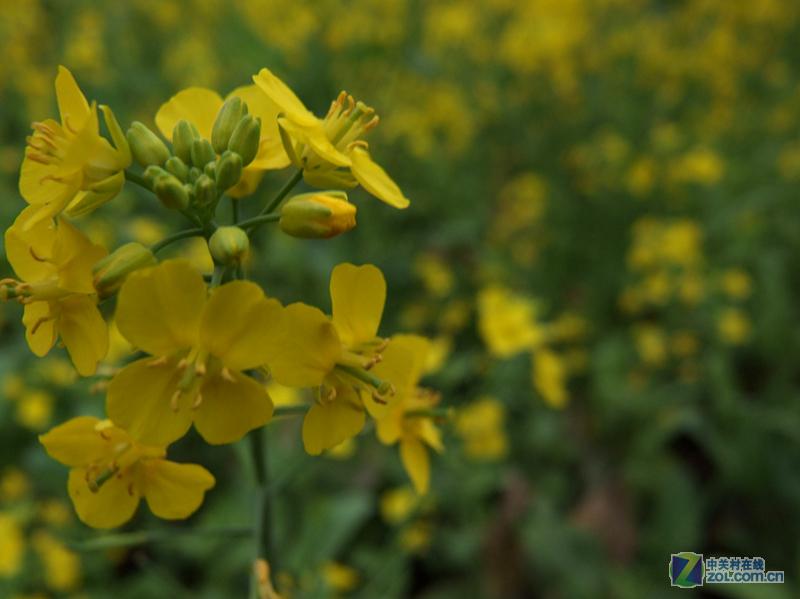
{"x":226,"y":374}
{"x":198,"y":401}
{"x":173,"y":402}
{"x":157,"y":362}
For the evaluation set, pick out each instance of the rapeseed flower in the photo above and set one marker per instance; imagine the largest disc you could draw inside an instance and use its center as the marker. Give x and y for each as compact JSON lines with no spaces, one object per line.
{"x":111,"y":472}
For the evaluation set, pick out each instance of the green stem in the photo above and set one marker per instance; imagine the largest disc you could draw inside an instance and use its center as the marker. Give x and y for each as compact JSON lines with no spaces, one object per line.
{"x":263,"y":517}
{"x":290,"y":410}
{"x":235,"y":210}
{"x":137,"y":179}
{"x":143,"y":537}
{"x":276,"y":201}
{"x":251,"y":223}
{"x":216,"y":278}
{"x":156,"y":247}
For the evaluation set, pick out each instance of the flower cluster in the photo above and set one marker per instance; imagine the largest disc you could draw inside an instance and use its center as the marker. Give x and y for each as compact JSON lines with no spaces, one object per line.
{"x":206,"y":347}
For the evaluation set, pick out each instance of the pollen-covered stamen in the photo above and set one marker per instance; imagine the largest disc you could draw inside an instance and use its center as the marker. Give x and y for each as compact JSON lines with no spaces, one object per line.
{"x":226,"y":374}
{"x":95,"y":482}
{"x":157,"y":362}
{"x":347,"y":120}
{"x":173,"y":401}
{"x":380,"y":389}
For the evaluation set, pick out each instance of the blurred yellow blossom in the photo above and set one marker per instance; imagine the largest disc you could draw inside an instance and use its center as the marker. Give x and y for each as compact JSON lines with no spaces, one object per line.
{"x":62,"y":567}
{"x":340,"y":577}
{"x":734,"y":326}
{"x":507,"y":321}
{"x":35,"y":409}
{"x":12,"y":545}
{"x":549,"y":377}
{"x":480,"y":425}
{"x":397,"y":504}
{"x":14,"y":484}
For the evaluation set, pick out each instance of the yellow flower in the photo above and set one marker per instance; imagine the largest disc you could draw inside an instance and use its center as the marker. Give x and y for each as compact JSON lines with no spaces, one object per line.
{"x":330,"y":151}
{"x":480,"y":425}
{"x":34,"y":409}
{"x":397,"y":504}
{"x":403,"y":421}
{"x":200,"y":106}
{"x":549,"y":377}
{"x":336,"y":355}
{"x":14,"y":484}
{"x":340,"y":577}
{"x":12,"y":546}
{"x":736,"y":283}
{"x":734,"y":326}
{"x":54,"y":261}
{"x":202,"y":344}
{"x":62,"y":567}
{"x":111,"y":472}
{"x":507,"y":322}
{"x":68,"y":166}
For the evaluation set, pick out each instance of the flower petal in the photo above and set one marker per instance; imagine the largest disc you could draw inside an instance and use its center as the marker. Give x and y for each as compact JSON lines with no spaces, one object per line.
{"x":159,"y":309}
{"x":249,"y":182}
{"x":401,"y":365}
{"x":358,"y":294}
{"x":231,"y":408}
{"x":139,"y":398}
{"x":38,"y":185}
{"x":111,"y":506}
{"x":40,"y":327}
{"x":327,"y":424}
{"x":315,"y":137}
{"x":309,"y":346}
{"x":77,"y":442}
{"x":28,"y":251}
{"x":72,"y":104}
{"x":75,"y":255}
{"x":416,"y":463}
{"x":286,"y":100}
{"x":84,"y":332}
{"x":198,"y":105}
{"x":174,"y":491}
{"x":375,"y":180}
{"x":240,"y":326}
{"x":389,"y":426}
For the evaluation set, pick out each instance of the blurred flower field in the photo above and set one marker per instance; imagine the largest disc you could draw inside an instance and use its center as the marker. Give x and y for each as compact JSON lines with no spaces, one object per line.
{"x":602,"y":247}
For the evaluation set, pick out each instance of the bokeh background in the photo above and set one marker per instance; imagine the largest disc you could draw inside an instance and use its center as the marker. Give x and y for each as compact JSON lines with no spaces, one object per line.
{"x":603,"y":241}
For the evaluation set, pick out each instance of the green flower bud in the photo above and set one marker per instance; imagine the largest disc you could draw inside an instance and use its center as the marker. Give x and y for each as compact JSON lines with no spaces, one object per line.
{"x":110,"y":272}
{"x":205,"y":192}
{"x":318,"y":215}
{"x":177,"y":167}
{"x":229,"y":245}
{"x":183,"y":135}
{"x":202,"y":153}
{"x":228,"y":117}
{"x":246,"y":138}
{"x":146,"y":147}
{"x":194,"y":174}
{"x":229,"y":170}
{"x":151,"y":173}
{"x":171,"y":192}
{"x":210,"y":170}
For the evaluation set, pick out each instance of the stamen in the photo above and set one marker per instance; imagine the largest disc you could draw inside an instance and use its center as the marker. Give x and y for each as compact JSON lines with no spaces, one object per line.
{"x":198,"y":401}
{"x":200,"y":369}
{"x":157,"y":362}
{"x":226,"y":374}
{"x":173,"y":402}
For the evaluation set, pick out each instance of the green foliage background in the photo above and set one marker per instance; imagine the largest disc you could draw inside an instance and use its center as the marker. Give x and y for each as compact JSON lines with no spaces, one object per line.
{"x":665,"y":110}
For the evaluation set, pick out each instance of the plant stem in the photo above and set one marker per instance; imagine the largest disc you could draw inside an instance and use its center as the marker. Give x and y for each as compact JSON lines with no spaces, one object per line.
{"x":263,"y":530}
{"x":137,"y":179}
{"x":276,"y":201}
{"x":252,"y":223}
{"x":216,"y":278}
{"x":235,"y":210}
{"x":156,"y":247}
{"x":143,"y":537}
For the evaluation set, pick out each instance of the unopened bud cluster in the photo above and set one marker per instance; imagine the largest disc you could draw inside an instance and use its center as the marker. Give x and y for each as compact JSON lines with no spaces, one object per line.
{"x":192,"y":177}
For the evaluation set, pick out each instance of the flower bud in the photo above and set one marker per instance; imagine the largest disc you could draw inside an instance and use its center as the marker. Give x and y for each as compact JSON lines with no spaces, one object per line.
{"x":229,"y":170}
{"x":194,"y":174}
{"x":205,"y":191}
{"x":152,"y":172}
{"x":210,"y":170}
{"x":146,"y":147}
{"x":171,"y":192}
{"x":246,"y":138}
{"x":229,"y":245}
{"x":177,"y":167}
{"x":183,"y":135}
{"x":202,"y":153}
{"x":318,"y":215}
{"x":228,"y":117}
{"x":111,"y":271}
